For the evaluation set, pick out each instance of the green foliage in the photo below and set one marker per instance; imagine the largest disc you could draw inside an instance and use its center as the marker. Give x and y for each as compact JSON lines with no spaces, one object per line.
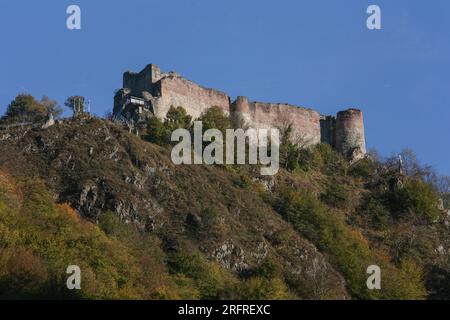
{"x":378,"y":214}
{"x":290,"y":152}
{"x":215,"y":118}
{"x":39,"y":240}
{"x":160,"y":132}
{"x":157,"y":132}
{"x":328,"y":160}
{"x":211,"y":281}
{"x":347,"y":247}
{"x":111,"y":224}
{"x":311,"y":218}
{"x":25,"y":108}
{"x":409,"y":282}
{"x":178,"y":118}
{"x":414,"y":198}
{"x":268,"y":269}
{"x":243,"y":181}
{"x":294,"y":154}
{"x":364,"y":169}
{"x":320,"y":157}
{"x":258,"y":288}
{"x":336,"y":194}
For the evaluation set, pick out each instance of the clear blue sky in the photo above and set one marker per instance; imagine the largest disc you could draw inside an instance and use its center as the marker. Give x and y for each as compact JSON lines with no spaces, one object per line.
{"x":315,"y":53}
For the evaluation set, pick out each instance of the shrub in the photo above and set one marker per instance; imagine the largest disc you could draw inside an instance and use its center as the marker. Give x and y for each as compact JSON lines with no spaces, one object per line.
{"x":405,"y":283}
{"x":330,"y":160}
{"x":215,"y":118}
{"x":211,"y":281}
{"x":22,"y":274}
{"x":268,"y":269}
{"x":323,"y":158}
{"x":362,"y":169}
{"x":377,"y":213}
{"x":258,"y":288}
{"x":160,"y":132}
{"x":243,"y":181}
{"x":111,"y":224}
{"x":204,"y":224}
{"x":415,"y":197}
{"x":336,"y":195}
{"x":157,"y":132}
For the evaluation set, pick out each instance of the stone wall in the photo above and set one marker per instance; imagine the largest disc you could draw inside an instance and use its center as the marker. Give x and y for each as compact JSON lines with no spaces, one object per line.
{"x":305,"y":122}
{"x":177,"y":91}
{"x":328,"y":130}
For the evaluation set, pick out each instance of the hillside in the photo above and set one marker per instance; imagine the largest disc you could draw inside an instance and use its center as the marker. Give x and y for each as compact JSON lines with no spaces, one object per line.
{"x":87,"y":192}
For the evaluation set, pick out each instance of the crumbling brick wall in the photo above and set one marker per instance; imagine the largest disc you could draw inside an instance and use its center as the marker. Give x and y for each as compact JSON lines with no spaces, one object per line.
{"x":177,"y":91}
{"x":305,"y":122}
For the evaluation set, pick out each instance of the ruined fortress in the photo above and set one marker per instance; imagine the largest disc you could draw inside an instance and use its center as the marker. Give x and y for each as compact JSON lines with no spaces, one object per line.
{"x":151,"y":93}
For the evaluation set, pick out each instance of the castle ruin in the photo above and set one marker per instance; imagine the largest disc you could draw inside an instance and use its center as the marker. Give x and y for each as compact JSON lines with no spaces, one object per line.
{"x":151,"y":93}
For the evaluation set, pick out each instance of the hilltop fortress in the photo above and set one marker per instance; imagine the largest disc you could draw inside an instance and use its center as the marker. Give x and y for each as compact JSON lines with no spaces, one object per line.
{"x":151,"y":93}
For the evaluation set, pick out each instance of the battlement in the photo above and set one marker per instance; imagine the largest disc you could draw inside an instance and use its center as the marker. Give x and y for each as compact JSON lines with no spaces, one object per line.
{"x":142,"y":81}
{"x":152,"y":92}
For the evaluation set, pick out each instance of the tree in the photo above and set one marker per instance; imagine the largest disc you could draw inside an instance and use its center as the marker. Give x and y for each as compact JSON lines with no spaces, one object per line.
{"x":157,"y":132}
{"x":293,"y":147}
{"x":51,"y":106}
{"x":25,"y":108}
{"x":160,"y":132}
{"x":289,"y":152}
{"x":215,"y":118}
{"x":410,"y":164}
{"x":178,"y":118}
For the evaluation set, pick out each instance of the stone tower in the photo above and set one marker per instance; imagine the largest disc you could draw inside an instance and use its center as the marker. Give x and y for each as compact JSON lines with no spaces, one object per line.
{"x":143,"y":81}
{"x":350,"y":138}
